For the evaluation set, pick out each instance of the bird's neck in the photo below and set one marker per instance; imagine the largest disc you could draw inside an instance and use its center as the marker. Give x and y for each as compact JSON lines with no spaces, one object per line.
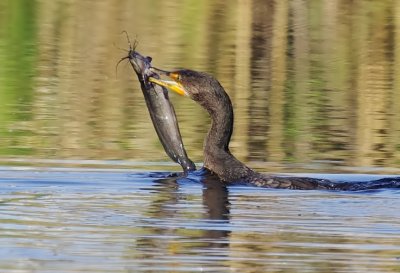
{"x":217,"y":157}
{"x":220,"y":133}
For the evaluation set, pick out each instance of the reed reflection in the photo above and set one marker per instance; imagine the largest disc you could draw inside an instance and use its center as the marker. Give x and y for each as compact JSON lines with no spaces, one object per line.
{"x":310,"y":81}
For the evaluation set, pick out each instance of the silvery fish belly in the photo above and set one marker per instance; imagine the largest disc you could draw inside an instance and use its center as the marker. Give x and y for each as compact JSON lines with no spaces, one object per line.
{"x":161,"y":111}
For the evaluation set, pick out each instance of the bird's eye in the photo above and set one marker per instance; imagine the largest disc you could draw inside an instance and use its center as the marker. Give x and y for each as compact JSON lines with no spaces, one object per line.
{"x":175,"y":75}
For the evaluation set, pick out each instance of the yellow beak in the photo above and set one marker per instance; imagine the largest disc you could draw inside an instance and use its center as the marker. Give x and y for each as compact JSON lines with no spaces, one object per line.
{"x":172,"y":85}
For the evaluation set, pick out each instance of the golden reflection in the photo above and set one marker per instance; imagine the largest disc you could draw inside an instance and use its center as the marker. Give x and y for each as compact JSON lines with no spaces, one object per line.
{"x":313,"y":82}
{"x":278,"y":77}
{"x":241,"y":92}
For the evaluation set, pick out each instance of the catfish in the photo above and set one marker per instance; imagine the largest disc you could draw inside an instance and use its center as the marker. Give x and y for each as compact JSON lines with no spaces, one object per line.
{"x":161,"y":110}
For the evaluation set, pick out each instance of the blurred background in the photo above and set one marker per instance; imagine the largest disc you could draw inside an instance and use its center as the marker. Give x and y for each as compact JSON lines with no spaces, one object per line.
{"x":315,"y":84}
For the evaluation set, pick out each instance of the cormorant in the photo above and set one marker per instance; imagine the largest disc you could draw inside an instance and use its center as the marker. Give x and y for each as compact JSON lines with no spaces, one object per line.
{"x":208,"y":92}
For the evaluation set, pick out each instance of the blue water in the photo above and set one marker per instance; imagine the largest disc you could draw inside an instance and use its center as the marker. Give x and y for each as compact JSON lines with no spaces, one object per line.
{"x":116,"y":220}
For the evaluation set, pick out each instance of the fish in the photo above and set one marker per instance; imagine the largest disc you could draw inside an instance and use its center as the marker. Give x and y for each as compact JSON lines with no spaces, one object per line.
{"x":160,"y":108}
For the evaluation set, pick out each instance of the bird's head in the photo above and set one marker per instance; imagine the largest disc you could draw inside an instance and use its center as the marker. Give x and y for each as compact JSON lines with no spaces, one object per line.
{"x":199,"y":86}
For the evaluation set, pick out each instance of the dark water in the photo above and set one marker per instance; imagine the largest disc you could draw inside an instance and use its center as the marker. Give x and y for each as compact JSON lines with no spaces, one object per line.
{"x":315,"y":87}
{"x":91,"y":220}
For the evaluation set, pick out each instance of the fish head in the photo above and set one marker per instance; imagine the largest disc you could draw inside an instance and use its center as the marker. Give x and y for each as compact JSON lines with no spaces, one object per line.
{"x":140,"y":63}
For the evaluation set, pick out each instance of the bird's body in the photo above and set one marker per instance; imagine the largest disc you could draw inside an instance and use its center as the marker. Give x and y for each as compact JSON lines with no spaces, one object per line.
{"x":208,"y":92}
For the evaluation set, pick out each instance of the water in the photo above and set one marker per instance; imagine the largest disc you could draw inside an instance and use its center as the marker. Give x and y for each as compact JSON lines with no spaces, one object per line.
{"x":83,"y":184}
{"x":87,"y":220}
{"x":310,"y":83}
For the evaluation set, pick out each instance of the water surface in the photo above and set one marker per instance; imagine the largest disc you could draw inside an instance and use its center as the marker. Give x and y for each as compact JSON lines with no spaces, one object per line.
{"x":102,"y":220}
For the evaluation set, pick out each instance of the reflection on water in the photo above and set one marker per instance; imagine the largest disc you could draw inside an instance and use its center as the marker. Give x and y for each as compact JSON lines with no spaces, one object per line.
{"x":311,"y":82}
{"x":86,"y":220}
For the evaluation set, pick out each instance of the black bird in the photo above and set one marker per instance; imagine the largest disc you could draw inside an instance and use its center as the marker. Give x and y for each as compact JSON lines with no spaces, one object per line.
{"x":208,"y":92}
